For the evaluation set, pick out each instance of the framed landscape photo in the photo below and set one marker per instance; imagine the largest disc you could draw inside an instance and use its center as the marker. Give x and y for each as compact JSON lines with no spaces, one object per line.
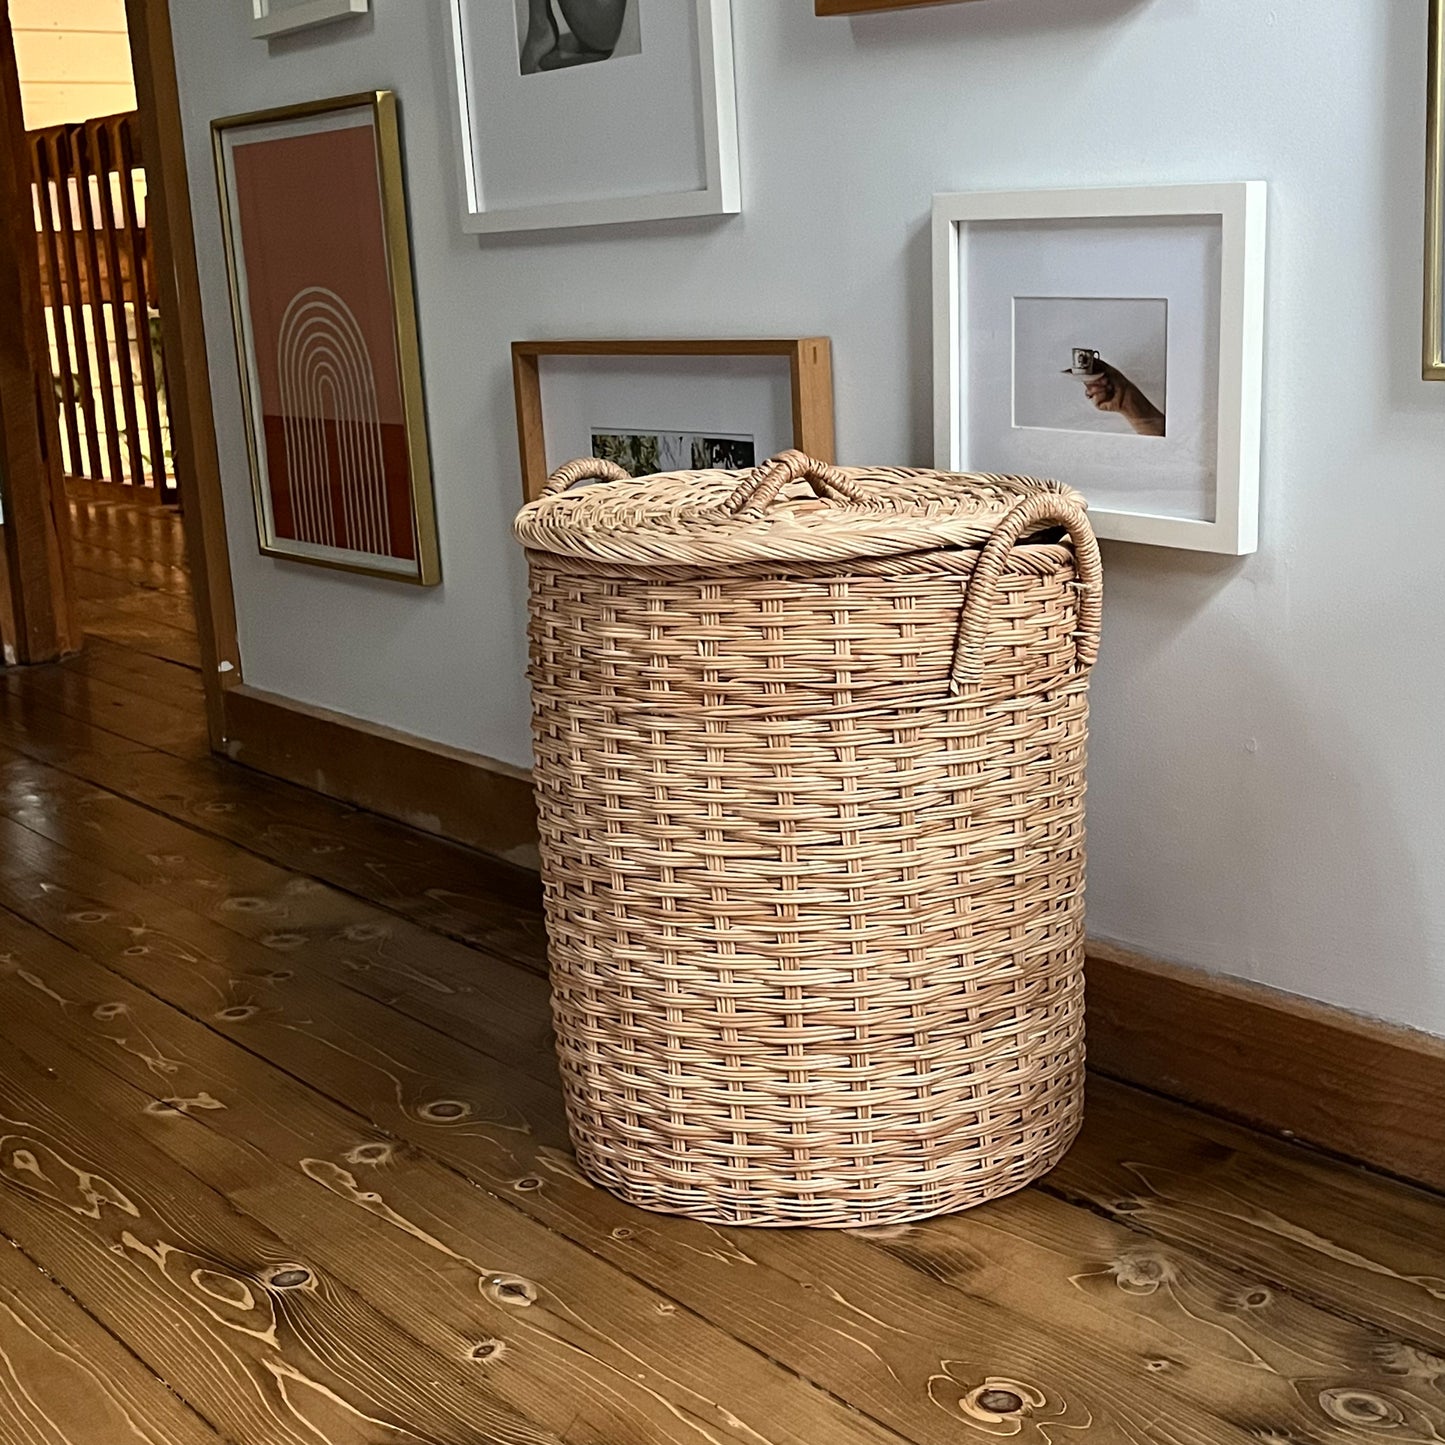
{"x":670,"y":405}
{"x":1112,"y":340}
{"x":281,"y":17}
{"x":314,"y":219}
{"x":592,"y":112}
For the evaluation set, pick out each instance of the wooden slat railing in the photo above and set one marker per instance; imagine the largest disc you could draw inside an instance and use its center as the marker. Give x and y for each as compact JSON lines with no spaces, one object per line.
{"x":100,"y":295}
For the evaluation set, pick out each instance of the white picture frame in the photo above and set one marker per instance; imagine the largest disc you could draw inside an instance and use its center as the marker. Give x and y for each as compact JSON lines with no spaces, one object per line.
{"x":1239,"y":208}
{"x":274,"y":17}
{"x":718,"y":191}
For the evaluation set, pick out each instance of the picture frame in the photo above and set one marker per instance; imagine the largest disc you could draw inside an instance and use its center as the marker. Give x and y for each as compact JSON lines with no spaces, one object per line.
{"x":1433,"y":332}
{"x":864,"y":7}
{"x":803,"y":418}
{"x":280,"y":17}
{"x":1194,"y":256}
{"x":318,"y":259}
{"x":689,"y":168}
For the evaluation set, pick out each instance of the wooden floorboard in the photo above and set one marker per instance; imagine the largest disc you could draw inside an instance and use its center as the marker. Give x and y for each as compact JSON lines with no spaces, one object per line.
{"x":213,"y":1301}
{"x":131,"y":580}
{"x":131,"y":570}
{"x":152,"y":636}
{"x":64,"y":1380}
{"x":1037,"y":1243}
{"x":113,"y":709}
{"x":138,"y":672}
{"x":455,"y":1268}
{"x":285,"y":1161}
{"x":434,"y":883}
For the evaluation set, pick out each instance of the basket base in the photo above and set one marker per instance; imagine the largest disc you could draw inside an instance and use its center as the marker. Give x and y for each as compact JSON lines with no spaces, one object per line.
{"x":827,"y":1212}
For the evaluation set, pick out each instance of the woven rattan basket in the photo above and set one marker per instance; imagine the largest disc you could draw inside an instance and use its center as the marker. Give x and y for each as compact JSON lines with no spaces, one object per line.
{"x":810,"y":779}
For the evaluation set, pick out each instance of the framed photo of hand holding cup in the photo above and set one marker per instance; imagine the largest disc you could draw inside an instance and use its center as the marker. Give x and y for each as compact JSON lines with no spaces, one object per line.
{"x":1111,"y":339}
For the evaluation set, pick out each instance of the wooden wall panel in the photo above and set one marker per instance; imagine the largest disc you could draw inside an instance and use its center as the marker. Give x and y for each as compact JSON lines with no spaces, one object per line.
{"x":1365,"y":1089}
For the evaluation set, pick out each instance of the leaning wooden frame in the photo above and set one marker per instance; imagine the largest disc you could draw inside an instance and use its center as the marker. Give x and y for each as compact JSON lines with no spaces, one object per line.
{"x":810,"y":372}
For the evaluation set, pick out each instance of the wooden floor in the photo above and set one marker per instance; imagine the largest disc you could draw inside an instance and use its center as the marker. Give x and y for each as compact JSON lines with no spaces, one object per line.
{"x":283,"y":1162}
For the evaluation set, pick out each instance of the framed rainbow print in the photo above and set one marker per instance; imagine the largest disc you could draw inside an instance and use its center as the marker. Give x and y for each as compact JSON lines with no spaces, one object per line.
{"x":314,"y":217}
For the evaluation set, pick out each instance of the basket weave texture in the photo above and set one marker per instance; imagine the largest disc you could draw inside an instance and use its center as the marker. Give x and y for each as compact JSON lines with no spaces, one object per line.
{"x":810,"y":780}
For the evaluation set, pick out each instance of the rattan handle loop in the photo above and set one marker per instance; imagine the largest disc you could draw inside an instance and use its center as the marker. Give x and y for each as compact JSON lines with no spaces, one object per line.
{"x":768,"y":479}
{"x":978,"y":604}
{"x":584,"y":469}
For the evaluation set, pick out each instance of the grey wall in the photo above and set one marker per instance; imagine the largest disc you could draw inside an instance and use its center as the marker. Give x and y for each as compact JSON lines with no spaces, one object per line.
{"x":1266,"y":798}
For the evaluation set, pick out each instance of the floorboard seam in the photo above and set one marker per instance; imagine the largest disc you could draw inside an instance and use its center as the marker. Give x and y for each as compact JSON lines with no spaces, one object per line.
{"x":7,"y":1239}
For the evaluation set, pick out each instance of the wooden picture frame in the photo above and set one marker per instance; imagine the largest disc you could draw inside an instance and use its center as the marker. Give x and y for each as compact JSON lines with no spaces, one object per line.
{"x":1227,"y":347}
{"x":327,"y":348}
{"x":580,"y":104}
{"x":269,"y":19}
{"x":810,"y":365}
{"x":863,"y":7}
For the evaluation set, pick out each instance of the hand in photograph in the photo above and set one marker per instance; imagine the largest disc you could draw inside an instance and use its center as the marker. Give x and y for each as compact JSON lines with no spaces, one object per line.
{"x":595,"y":26}
{"x":1110,"y":390}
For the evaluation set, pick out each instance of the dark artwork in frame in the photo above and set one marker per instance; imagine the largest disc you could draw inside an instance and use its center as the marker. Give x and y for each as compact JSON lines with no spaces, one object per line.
{"x":642,"y":453}
{"x":557,"y":35}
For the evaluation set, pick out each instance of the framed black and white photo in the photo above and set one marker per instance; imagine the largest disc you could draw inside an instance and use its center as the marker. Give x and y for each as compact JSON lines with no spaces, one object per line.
{"x":671,"y":405}
{"x":559,"y":36}
{"x":1110,"y":339}
{"x":547,"y":95}
{"x":281,"y":17}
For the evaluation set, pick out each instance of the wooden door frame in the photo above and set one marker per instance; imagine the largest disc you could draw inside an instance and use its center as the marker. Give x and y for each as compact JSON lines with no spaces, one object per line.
{"x":41,"y":598}
{"x":38,"y":621}
{"x":183,"y":339}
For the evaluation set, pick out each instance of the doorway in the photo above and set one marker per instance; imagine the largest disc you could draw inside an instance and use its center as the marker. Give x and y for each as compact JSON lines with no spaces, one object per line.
{"x":115,"y":545}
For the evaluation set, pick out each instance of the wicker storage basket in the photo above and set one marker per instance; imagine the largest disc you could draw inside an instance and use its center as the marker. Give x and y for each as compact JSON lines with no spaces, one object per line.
{"x":810,"y":777}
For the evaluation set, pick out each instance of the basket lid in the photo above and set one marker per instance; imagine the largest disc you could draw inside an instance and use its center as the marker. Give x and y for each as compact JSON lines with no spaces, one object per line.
{"x":791,"y":508}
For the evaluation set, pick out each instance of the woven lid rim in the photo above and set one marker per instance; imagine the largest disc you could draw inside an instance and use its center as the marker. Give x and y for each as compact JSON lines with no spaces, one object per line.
{"x":685,"y":517}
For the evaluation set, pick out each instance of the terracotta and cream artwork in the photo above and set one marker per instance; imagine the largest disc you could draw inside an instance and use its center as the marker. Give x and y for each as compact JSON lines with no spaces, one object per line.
{"x":326,"y":338}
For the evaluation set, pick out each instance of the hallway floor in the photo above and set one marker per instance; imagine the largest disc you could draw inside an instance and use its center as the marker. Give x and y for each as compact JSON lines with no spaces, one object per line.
{"x":283,"y":1161}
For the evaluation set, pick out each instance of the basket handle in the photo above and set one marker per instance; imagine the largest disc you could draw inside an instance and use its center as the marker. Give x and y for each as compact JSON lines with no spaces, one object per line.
{"x":1023,"y":517}
{"x":584,"y":469}
{"x":769,"y":478}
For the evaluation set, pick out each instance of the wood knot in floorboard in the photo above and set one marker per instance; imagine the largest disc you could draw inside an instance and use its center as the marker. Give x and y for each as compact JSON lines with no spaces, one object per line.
{"x":1138,"y":1272}
{"x":283,"y":942}
{"x":999,"y":1402}
{"x":445,"y":1111}
{"x":1001,"y":1406}
{"x":509,"y":1289}
{"x":289,"y":1276}
{"x":375,"y":1154}
{"x":1349,"y":1406}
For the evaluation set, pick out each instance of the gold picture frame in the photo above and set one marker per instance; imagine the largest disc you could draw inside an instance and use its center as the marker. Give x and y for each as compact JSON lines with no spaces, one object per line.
{"x":1433,"y":361}
{"x":380,"y":525}
{"x":810,"y":369}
